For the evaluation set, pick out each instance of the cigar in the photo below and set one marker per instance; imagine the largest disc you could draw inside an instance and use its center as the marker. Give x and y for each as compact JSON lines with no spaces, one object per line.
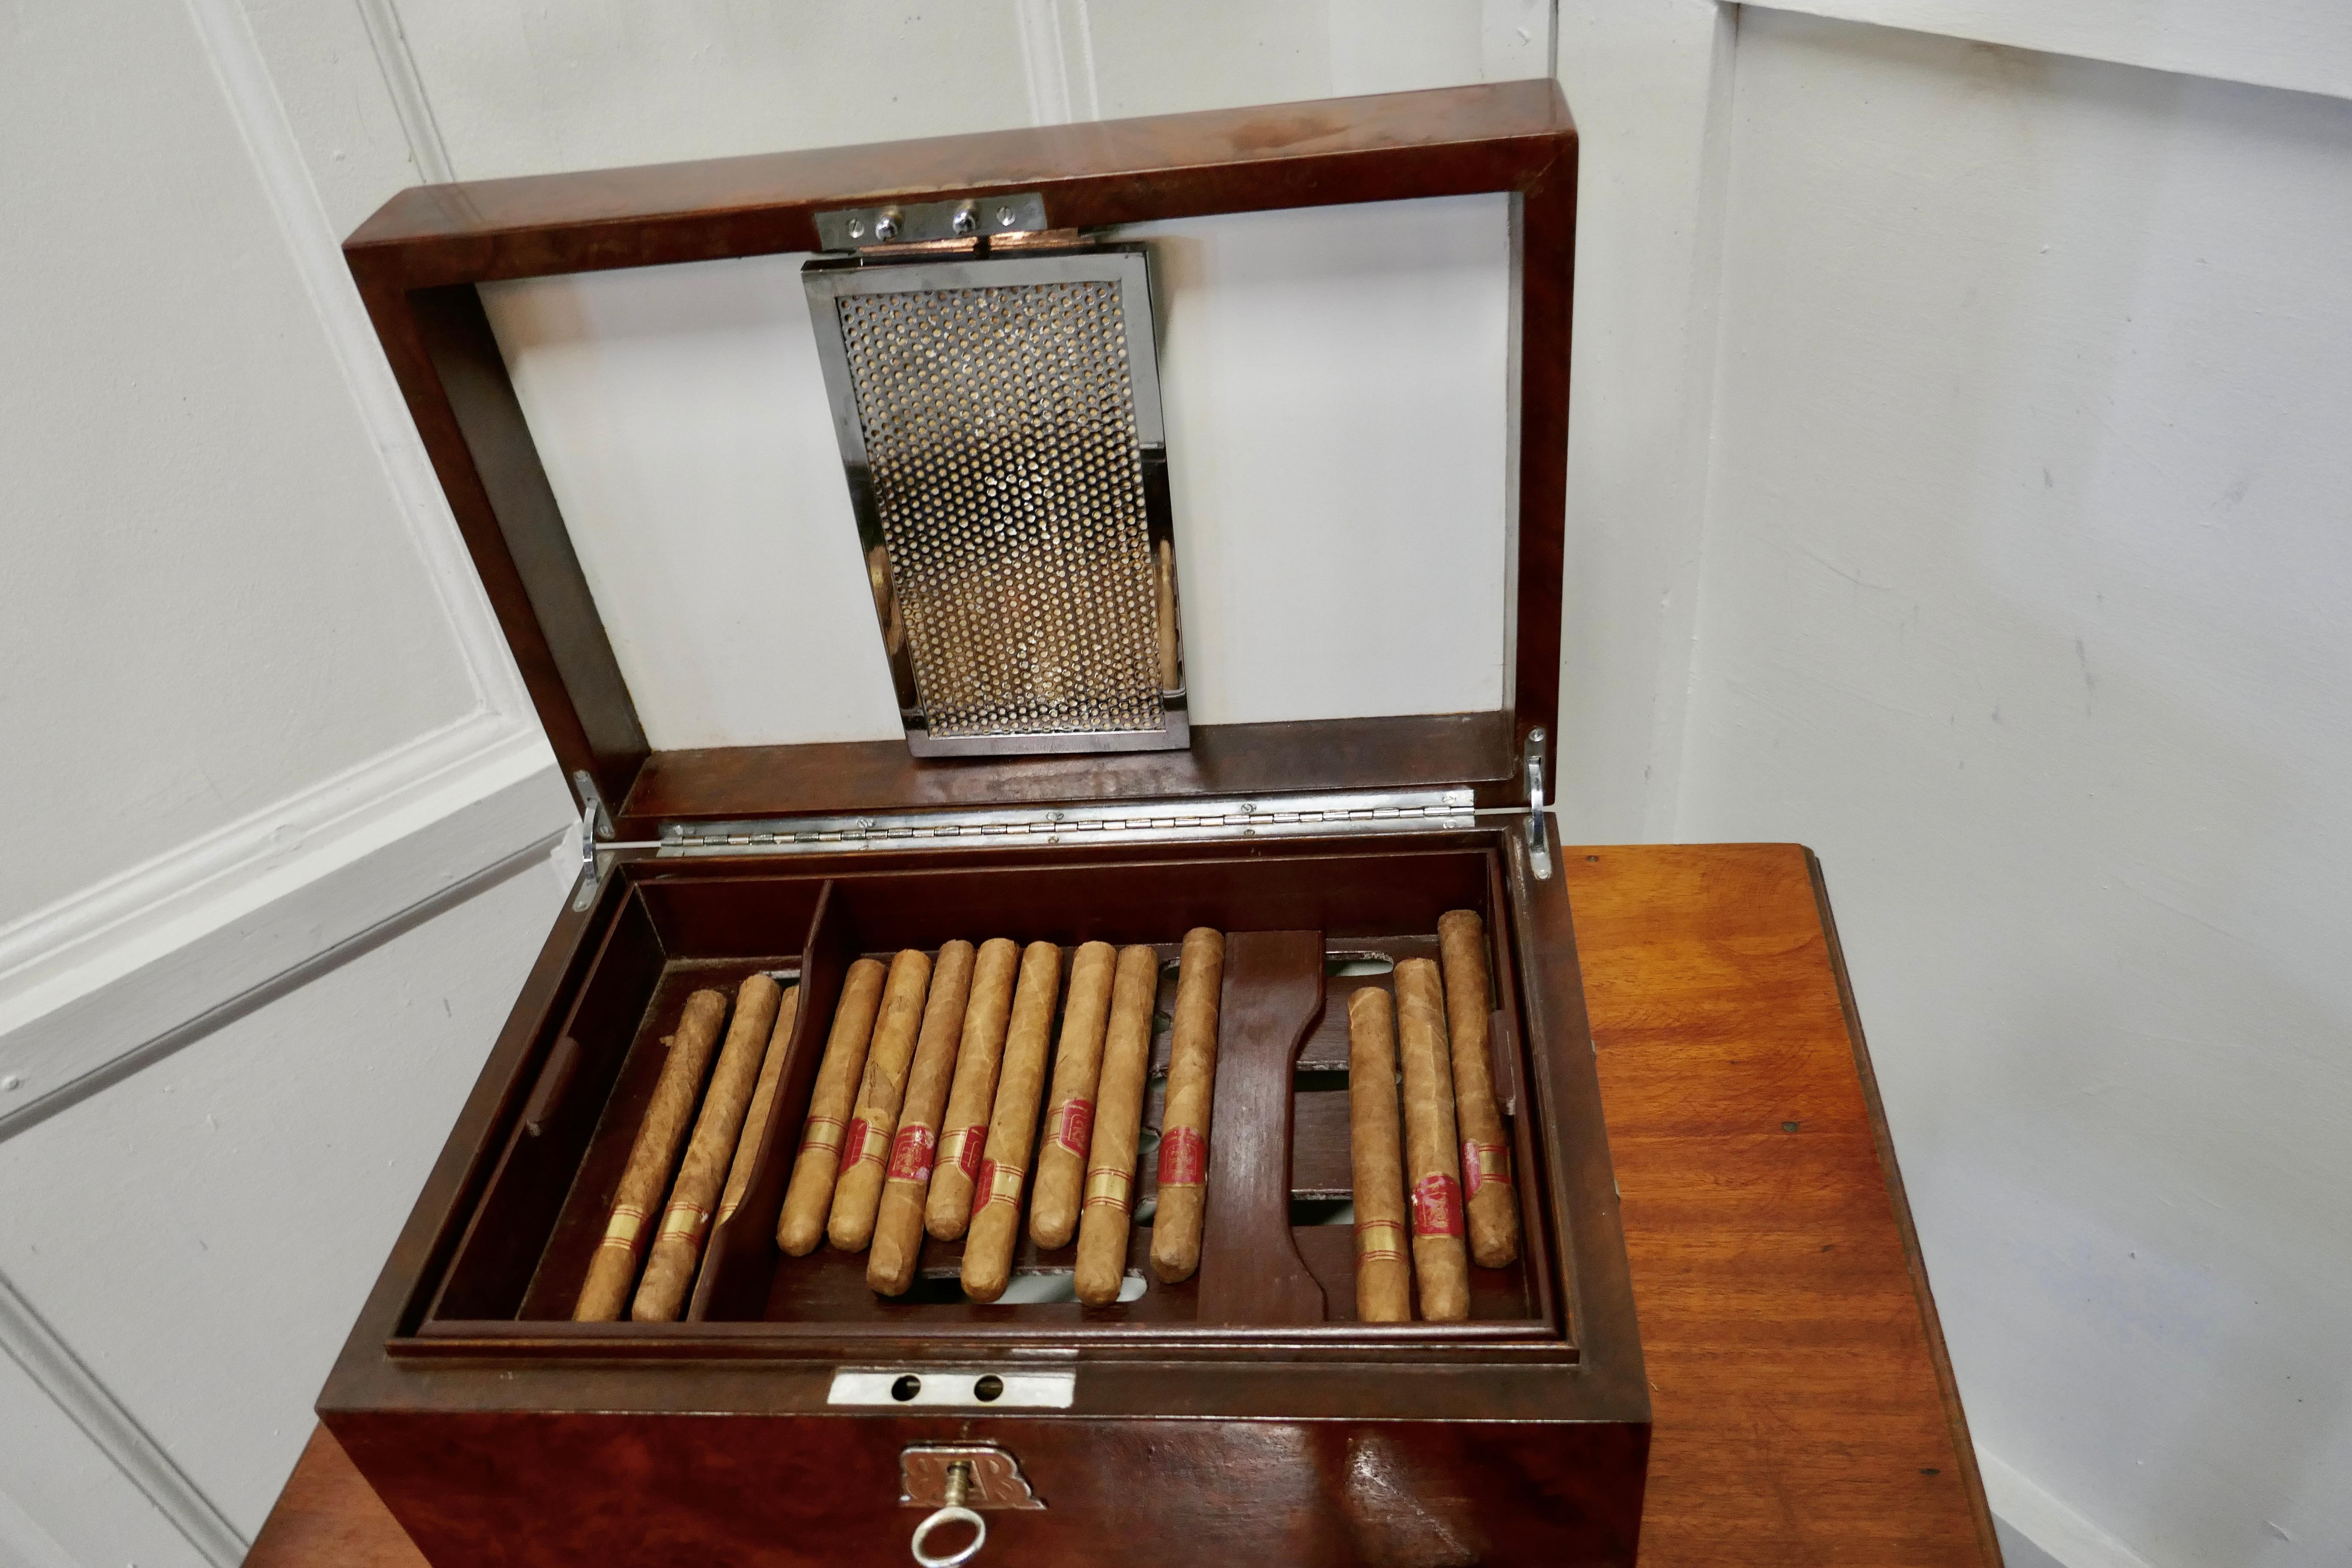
{"x":996,"y":1196}
{"x":867,"y":1145}
{"x":677,"y":1246}
{"x":1070,"y":1109}
{"x":1383,"y":1277}
{"x":963,"y":1134}
{"x":1118,"y":1118}
{"x":613,"y":1267}
{"x":1184,"y":1125}
{"x":764,"y":1099}
{"x":1439,"y":1262}
{"x":1491,"y":1207}
{"x":898,"y":1225}
{"x":801,"y":1224}
{"x":1168,"y":673}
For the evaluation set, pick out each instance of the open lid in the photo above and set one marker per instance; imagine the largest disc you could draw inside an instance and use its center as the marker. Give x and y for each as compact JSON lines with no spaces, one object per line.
{"x":418,"y":262}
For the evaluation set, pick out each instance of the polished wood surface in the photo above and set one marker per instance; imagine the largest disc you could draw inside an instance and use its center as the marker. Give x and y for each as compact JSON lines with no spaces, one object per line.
{"x":1250,"y":1268}
{"x":844,"y":778}
{"x":1444,"y":141}
{"x":1804,"y":1411}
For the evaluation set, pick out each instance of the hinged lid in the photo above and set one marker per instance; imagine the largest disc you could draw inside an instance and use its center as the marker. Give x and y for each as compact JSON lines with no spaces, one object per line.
{"x":418,"y":260}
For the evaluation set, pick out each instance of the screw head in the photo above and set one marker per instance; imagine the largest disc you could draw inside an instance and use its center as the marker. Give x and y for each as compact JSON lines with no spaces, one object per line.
{"x":965,"y":221}
{"x":1006,"y":217}
{"x":857,"y":228}
{"x":886,"y":228}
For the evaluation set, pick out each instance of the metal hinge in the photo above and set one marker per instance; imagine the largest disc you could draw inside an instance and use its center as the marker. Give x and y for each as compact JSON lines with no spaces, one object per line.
{"x":922,"y":222}
{"x":1539,"y":833}
{"x":1347,"y":812}
{"x":595,"y":822}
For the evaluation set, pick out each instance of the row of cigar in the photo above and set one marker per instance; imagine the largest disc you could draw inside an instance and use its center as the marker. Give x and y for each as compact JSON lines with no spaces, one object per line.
{"x":1440,"y":1012}
{"x":923,"y":1119}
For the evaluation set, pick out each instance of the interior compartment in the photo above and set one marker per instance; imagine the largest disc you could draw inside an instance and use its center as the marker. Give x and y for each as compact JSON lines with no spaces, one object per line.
{"x":670,"y":926}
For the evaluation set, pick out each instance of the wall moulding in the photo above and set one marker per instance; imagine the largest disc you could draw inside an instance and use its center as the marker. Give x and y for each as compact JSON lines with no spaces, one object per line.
{"x":95,"y":978}
{"x":2301,"y":46}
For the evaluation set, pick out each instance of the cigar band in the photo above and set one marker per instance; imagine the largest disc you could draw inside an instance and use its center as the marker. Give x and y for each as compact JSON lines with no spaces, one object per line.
{"x":963,"y":1149}
{"x":1074,"y":1125}
{"x":686,"y":1222}
{"x":1437,"y":1205}
{"x":624,"y":1228}
{"x":1378,"y":1240}
{"x":864,"y":1145}
{"x":1107,"y":1186}
{"x":1183,"y":1157}
{"x":824,"y":1132}
{"x":998,"y":1183}
{"x":1484,"y":1164}
{"x":910,"y":1155}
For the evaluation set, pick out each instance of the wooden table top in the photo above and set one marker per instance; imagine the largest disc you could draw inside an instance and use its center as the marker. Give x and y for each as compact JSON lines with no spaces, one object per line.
{"x":1804,"y":1410}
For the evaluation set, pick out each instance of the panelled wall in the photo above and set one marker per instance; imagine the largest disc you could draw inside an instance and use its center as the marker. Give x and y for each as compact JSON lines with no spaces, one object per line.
{"x":2022,"y":601}
{"x":1957,"y":470}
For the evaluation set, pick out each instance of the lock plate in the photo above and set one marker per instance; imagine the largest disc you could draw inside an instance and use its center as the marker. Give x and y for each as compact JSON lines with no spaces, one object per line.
{"x":996,"y":1478}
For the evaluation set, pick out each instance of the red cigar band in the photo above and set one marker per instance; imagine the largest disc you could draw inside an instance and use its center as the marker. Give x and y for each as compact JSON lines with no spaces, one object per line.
{"x":1073,"y":1125}
{"x":910,"y":1155}
{"x":824,"y":1132}
{"x":1437,"y":1205}
{"x":1183,"y":1157}
{"x":1378,"y":1238}
{"x":852,"y":1145}
{"x":998,"y":1183}
{"x":962,"y":1150}
{"x":1481,"y":1164}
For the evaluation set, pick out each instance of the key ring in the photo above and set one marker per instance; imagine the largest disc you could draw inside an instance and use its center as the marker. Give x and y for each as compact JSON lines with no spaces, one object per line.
{"x":959,"y":1486}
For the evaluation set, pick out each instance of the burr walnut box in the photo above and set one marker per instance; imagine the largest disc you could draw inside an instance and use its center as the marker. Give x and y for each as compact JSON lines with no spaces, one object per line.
{"x":1027,"y":486}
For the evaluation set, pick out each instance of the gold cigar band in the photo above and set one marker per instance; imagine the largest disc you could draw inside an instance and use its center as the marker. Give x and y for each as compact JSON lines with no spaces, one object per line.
{"x":1378,"y":1238}
{"x":621,"y":1230}
{"x":1109,"y":1186}
{"x":824,"y":1132}
{"x":684,"y":1221}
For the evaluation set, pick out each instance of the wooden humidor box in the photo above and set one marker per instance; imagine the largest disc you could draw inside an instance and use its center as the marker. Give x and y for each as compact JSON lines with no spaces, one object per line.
{"x":1187,"y":1421}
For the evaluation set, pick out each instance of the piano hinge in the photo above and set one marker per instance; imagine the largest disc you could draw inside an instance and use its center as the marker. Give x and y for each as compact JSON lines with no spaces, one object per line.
{"x":1345,"y":812}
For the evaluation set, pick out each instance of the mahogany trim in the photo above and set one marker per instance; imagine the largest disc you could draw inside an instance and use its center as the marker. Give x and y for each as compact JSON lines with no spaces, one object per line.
{"x":1422,"y":752}
{"x":416,"y":262}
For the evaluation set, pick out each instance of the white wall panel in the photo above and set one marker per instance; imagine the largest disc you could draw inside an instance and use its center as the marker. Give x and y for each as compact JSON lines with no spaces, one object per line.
{"x":2024,"y":606}
{"x":1338,"y":394}
{"x":211,"y":600}
{"x":203,"y":1235}
{"x":63,"y":1503}
{"x":1650,"y":86}
{"x":2305,"y":45}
